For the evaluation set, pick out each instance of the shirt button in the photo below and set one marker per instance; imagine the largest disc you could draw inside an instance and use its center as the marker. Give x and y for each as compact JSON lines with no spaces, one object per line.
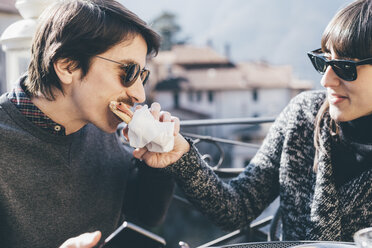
{"x":57,"y":128}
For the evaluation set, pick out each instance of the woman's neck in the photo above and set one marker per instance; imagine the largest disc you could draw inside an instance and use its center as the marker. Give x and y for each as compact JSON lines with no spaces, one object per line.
{"x":358,"y":130}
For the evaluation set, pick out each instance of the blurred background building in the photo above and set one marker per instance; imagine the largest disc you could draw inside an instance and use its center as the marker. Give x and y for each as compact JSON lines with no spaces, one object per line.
{"x":194,"y":82}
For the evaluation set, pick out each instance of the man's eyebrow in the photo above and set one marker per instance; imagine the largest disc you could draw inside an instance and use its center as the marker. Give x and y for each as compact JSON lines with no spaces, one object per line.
{"x":129,"y":61}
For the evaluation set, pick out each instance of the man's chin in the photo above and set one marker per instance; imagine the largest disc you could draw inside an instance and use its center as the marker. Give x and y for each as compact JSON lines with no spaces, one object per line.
{"x":109,"y":127}
{"x":111,"y":123}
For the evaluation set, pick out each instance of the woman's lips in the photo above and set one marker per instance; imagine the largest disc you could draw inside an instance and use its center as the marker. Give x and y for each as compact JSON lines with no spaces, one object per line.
{"x":336,"y":98}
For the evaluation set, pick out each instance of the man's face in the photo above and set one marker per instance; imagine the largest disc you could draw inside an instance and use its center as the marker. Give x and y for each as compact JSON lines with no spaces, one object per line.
{"x":103,"y":83}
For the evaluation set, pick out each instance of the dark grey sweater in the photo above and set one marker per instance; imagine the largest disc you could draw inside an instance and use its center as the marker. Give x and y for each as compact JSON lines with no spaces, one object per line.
{"x":56,"y":187}
{"x":312,"y":207}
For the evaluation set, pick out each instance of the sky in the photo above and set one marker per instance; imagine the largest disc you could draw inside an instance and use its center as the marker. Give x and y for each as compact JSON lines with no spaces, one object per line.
{"x":276,"y":31}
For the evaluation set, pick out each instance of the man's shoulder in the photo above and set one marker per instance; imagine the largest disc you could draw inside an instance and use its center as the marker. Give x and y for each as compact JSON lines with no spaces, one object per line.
{"x":4,"y":104}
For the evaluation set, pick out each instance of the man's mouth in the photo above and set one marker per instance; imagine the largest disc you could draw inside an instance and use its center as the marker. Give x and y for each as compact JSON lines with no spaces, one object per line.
{"x":121,"y":110}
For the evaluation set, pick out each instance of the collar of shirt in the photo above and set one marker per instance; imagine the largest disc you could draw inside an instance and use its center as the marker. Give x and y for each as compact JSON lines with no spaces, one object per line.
{"x":24,"y":104}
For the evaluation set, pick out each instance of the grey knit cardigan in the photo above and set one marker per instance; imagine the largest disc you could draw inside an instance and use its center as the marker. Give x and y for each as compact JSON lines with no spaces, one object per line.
{"x":312,"y":207}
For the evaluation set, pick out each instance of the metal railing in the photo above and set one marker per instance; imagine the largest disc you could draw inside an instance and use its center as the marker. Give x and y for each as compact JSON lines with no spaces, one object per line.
{"x":216,"y":141}
{"x":230,"y":121}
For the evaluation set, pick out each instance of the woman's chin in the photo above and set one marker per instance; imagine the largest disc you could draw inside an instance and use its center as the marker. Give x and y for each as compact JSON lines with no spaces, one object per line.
{"x":341,"y":116}
{"x":336,"y":114}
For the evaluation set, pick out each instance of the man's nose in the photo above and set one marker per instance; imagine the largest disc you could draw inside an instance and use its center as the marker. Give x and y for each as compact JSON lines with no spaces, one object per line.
{"x":137,"y":92}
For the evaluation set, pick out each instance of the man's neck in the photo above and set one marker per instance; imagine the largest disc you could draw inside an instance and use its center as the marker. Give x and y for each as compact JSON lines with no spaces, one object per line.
{"x":62,"y":111}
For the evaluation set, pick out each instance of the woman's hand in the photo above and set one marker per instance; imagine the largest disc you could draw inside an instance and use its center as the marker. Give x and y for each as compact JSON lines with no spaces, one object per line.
{"x":86,"y":240}
{"x":161,"y":160}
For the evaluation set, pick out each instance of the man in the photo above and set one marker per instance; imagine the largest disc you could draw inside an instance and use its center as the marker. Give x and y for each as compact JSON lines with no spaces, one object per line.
{"x":63,"y":171}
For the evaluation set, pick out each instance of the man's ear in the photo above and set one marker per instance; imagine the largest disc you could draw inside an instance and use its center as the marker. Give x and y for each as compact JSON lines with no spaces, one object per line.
{"x":65,"y":70}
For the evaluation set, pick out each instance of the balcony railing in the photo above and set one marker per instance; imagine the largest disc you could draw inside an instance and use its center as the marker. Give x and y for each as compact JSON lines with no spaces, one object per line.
{"x":216,"y":141}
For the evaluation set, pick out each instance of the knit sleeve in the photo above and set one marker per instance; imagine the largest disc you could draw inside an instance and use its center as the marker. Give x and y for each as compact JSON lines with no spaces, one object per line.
{"x":234,"y":204}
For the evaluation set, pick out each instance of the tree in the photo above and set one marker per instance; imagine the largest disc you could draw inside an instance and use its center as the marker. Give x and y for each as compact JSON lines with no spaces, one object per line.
{"x":168,"y":28}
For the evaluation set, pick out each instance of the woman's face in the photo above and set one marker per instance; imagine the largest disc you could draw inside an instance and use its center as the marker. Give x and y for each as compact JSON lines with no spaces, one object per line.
{"x":348,"y":100}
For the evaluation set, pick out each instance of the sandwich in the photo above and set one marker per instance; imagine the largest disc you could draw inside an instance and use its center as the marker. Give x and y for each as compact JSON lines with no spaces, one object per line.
{"x":121,"y":110}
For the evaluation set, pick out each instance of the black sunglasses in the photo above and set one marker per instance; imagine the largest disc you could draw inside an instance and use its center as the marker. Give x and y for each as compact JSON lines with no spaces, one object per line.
{"x":132,"y":71}
{"x":345,"y":69}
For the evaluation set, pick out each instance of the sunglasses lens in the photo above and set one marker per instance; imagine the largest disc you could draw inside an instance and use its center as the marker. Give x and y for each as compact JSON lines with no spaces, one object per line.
{"x":145,"y":76}
{"x":319,"y":63}
{"x":346,"y":71}
{"x":131,"y":74}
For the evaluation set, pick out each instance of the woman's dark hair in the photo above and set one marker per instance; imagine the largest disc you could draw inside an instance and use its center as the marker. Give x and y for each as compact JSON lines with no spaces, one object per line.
{"x":77,"y":30}
{"x":349,"y":35}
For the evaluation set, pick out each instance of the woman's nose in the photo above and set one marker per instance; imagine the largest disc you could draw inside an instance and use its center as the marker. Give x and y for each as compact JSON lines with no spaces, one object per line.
{"x":330,"y":78}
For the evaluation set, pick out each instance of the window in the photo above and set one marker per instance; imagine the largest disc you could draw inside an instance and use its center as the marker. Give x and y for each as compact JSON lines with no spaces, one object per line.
{"x":210,"y":96}
{"x":176,"y":102}
{"x":198,"y":96}
{"x":190,"y":95}
{"x":255,"y":95}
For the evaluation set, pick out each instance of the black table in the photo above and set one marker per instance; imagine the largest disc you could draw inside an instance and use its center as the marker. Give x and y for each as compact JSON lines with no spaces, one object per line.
{"x":285,"y":244}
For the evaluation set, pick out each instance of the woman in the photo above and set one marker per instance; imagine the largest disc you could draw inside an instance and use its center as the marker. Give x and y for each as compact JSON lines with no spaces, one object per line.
{"x":317,"y":155}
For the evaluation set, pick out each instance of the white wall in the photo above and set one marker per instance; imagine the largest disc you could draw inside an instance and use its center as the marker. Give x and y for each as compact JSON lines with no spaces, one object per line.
{"x":235,"y":103}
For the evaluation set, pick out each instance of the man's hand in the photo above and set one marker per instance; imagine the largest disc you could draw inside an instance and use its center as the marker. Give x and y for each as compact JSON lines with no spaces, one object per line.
{"x":86,"y":240}
{"x":161,"y":160}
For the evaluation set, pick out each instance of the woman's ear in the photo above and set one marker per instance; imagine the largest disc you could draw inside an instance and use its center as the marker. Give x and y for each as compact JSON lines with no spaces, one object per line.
{"x":64,"y":70}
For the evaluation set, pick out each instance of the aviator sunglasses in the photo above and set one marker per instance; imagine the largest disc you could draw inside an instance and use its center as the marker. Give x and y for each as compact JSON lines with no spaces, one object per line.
{"x":132,"y":71}
{"x":345,"y":69}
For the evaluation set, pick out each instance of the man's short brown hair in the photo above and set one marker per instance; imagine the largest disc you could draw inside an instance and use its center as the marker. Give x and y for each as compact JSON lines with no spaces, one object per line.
{"x":77,"y":30}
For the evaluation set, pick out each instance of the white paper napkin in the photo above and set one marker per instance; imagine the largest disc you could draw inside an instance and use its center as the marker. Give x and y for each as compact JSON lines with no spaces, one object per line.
{"x":144,"y":130}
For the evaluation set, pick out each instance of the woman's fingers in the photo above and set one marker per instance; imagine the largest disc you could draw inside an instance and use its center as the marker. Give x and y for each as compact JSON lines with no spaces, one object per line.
{"x":165,"y":116}
{"x":139,"y":152}
{"x":155,"y":110}
{"x":125,"y":132}
{"x":176,"y":125}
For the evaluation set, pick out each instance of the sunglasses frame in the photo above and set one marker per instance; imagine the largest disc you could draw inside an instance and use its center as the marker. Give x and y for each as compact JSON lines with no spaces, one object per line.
{"x":126,"y":66}
{"x":334,"y":64}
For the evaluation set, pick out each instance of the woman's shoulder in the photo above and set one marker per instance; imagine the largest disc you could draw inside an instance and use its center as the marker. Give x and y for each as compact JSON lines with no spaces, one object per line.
{"x":303,"y":108}
{"x":310,"y":97}
{"x":309,"y":101}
